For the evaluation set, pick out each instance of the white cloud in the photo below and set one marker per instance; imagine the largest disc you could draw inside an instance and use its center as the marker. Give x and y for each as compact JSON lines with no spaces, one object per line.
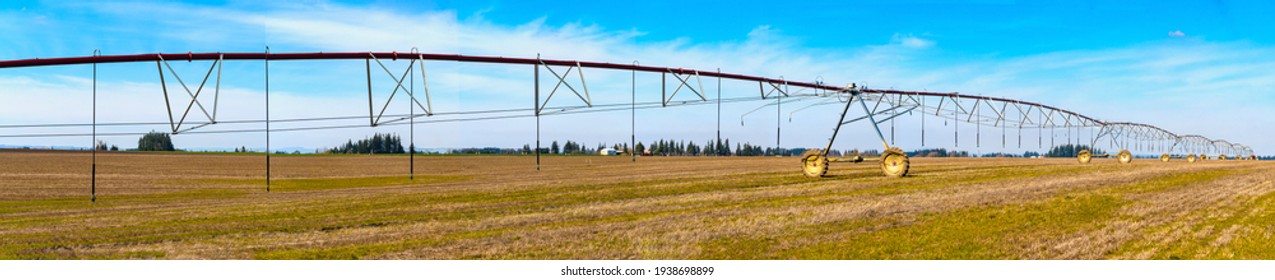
{"x":1177,"y":34}
{"x":910,"y":41}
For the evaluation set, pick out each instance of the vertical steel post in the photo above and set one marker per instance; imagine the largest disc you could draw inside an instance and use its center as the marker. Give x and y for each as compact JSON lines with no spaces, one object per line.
{"x":923,"y":121}
{"x":778,"y":120}
{"x":267,"y":118}
{"x":633,"y":114}
{"x":664,"y":88}
{"x":719,"y":112}
{"x":93,"y":187}
{"x":411,"y":113}
{"x":536,"y":107}
{"x":900,"y":103}
{"x":956,"y":120}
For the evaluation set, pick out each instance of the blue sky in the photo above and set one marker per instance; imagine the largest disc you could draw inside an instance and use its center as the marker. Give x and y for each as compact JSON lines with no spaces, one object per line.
{"x":1190,"y":67}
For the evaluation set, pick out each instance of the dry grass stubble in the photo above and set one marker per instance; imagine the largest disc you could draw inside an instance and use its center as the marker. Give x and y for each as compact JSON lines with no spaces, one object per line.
{"x":184,"y":206}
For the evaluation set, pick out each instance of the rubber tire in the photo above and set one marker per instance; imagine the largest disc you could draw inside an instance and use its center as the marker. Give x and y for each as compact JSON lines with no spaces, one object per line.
{"x":814,"y":164}
{"x":1164,"y":157}
{"x":1221,"y":157}
{"x":895,"y":163}
{"x":1125,"y":157}
{"x":1191,"y":158}
{"x":1084,"y":156}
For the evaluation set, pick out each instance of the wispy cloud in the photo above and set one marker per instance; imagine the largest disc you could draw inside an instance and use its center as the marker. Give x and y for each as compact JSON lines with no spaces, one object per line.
{"x":1177,"y":34}
{"x":910,"y":41}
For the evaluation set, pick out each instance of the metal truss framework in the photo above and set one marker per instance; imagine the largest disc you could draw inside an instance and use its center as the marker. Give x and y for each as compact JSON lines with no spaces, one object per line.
{"x":886,"y":104}
{"x":1019,"y":115}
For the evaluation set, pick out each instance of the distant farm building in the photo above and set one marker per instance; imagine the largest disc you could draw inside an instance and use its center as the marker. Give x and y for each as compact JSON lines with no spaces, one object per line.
{"x":609,"y":152}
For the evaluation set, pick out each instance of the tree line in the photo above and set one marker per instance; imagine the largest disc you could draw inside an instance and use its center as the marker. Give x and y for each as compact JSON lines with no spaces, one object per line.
{"x":1070,"y":150}
{"x":377,"y":144}
{"x":392,"y":144}
{"x":669,"y":147}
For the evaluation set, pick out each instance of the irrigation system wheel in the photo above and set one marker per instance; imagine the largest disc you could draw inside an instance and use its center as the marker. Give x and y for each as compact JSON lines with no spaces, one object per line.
{"x":1125,"y":157}
{"x":814,"y":163}
{"x":1190,"y":158}
{"x":1164,"y":157}
{"x":1084,"y":156}
{"x":1221,"y":157}
{"x":895,"y":163}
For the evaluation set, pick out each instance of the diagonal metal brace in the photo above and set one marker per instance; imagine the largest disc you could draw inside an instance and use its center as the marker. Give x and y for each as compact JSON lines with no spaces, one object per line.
{"x":686,"y":83}
{"x":562,"y":80}
{"x":194,"y":96}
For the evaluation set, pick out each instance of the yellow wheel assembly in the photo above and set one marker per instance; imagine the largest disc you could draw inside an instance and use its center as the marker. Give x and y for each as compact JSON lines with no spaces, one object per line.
{"x":1190,"y":158}
{"x":1164,"y":157}
{"x":1125,"y":157}
{"x":1084,"y":156}
{"x":814,"y":163}
{"x":894,"y":162}
{"x":1221,"y":157}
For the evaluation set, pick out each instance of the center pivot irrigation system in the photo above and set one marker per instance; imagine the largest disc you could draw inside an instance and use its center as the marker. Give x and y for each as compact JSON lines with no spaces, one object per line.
{"x":886,"y":105}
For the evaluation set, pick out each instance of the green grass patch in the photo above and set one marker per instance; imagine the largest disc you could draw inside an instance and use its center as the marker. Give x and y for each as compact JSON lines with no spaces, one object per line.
{"x":106,"y":200}
{"x":1254,"y":236}
{"x":972,"y":233}
{"x":999,"y":174}
{"x":1255,"y":240}
{"x":311,"y":184}
{"x":1172,"y":181}
{"x":539,"y":200}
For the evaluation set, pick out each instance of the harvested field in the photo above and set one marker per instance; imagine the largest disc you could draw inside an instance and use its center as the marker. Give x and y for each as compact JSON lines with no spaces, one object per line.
{"x":214,"y":206}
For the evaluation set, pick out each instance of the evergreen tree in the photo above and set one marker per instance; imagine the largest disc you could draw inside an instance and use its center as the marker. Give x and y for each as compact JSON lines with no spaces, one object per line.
{"x":723,"y":148}
{"x":155,"y":141}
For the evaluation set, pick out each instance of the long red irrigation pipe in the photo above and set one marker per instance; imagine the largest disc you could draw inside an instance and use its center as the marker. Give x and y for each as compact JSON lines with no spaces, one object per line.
{"x":470,"y":58}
